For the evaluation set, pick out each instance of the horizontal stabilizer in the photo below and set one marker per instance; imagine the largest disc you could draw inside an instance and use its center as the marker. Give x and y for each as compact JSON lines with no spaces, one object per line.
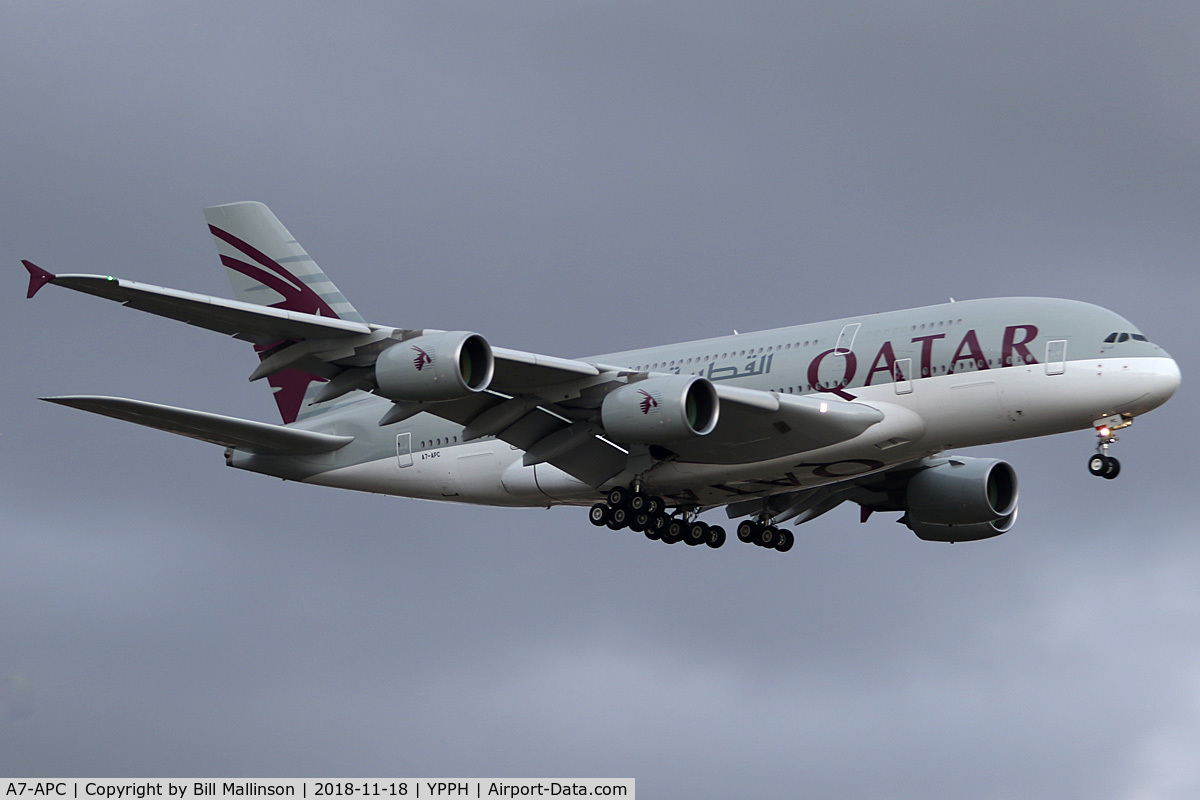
{"x":244,"y":434}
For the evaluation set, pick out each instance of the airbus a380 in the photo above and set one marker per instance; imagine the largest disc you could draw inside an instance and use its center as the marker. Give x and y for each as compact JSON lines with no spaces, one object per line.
{"x":774,"y":426}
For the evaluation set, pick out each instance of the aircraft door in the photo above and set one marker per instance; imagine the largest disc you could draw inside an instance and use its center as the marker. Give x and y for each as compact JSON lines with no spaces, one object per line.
{"x":903,"y":376}
{"x":404,"y":449}
{"x":1056,"y":357}
{"x":845,"y":340}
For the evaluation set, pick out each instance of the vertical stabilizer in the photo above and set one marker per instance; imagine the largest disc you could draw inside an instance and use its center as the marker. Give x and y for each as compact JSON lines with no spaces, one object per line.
{"x":267,"y":266}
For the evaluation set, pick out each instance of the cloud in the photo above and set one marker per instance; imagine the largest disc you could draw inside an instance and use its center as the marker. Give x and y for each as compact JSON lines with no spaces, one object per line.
{"x":16,"y":698}
{"x":578,"y":180}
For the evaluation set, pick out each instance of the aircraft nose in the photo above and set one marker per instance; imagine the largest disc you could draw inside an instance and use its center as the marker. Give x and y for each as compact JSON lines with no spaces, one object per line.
{"x":1160,"y":377}
{"x":1166,"y":379}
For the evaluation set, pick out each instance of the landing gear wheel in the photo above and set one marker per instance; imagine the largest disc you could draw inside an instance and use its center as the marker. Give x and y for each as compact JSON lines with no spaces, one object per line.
{"x":653,"y":533}
{"x":598,"y":515}
{"x":695,"y":533}
{"x":1103,"y":466}
{"x":655,"y":504}
{"x":747,"y":530}
{"x":673,"y":533}
{"x":658,"y":524}
{"x":716,"y":536}
{"x":639,"y":521}
{"x":768,"y":536}
{"x":638,"y":502}
{"x":618,"y":518}
{"x":1112,"y":468}
{"x":619,"y":496}
{"x":785,"y":541}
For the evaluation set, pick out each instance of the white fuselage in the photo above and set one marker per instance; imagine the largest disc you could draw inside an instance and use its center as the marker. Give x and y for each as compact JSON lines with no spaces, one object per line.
{"x":951,"y":392}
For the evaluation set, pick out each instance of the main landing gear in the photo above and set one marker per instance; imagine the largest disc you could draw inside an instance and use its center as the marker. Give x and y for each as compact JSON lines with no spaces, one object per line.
{"x":638,"y":511}
{"x":762,"y":533}
{"x":1102,"y":465}
{"x":643,"y":513}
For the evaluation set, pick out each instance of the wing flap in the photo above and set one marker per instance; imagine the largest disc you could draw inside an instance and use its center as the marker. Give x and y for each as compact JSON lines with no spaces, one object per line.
{"x":244,"y":434}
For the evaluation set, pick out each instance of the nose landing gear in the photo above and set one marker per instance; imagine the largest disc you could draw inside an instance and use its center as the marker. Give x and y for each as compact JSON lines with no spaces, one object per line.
{"x":1102,"y":465}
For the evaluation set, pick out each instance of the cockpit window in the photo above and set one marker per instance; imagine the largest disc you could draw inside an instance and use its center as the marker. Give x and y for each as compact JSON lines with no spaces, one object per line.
{"x":1124,"y":337}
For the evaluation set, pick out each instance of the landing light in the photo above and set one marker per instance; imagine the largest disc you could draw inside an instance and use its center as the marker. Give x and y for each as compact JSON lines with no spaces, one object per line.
{"x":1104,"y":430}
{"x":824,"y":407}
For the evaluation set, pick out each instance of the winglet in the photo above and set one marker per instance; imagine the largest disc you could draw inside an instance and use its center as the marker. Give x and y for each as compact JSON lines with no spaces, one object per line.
{"x":38,"y":277}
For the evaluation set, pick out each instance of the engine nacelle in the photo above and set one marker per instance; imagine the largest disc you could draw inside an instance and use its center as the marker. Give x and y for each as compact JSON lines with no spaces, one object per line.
{"x":435,"y":366}
{"x":962,"y":500}
{"x":962,"y":533}
{"x":661,"y":410}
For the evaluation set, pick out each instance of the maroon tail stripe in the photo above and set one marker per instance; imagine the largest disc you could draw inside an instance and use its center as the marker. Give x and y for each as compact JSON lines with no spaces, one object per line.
{"x":258,"y":255}
{"x":304,"y":300}
{"x":290,"y":385}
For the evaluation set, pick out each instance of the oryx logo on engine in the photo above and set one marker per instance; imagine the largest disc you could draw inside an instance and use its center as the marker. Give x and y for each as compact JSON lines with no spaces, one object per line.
{"x":648,"y":401}
{"x":422,"y":360}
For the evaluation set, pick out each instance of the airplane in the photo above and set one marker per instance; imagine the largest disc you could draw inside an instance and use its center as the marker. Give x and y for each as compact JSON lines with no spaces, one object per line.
{"x":773,"y":426}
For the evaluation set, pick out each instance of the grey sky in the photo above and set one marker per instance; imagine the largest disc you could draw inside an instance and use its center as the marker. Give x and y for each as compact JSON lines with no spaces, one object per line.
{"x":574,"y":179}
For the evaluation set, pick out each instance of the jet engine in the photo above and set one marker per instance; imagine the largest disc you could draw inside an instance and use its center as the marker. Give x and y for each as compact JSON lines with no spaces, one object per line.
{"x":435,"y":366}
{"x":661,"y":410}
{"x":962,"y":500}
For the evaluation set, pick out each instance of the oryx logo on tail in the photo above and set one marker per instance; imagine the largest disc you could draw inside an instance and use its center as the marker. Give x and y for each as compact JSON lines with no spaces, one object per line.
{"x":648,"y":401}
{"x":422,"y":360}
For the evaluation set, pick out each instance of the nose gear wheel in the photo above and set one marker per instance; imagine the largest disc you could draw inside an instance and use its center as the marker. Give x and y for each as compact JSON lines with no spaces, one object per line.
{"x":1102,"y":465}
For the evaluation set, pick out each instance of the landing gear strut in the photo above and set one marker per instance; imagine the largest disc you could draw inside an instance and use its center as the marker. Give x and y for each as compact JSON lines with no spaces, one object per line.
{"x":634,"y":509}
{"x":1102,"y":465}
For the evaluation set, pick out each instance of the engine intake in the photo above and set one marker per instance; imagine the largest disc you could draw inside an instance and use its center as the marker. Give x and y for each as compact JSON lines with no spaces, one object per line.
{"x":435,"y":366}
{"x":661,"y":410}
{"x":962,"y":500}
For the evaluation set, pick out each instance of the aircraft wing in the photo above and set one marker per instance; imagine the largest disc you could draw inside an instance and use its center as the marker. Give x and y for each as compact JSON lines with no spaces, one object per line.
{"x":326,"y":339}
{"x":342,"y":353}
{"x":253,"y":323}
{"x":255,"y":437}
{"x":549,"y":407}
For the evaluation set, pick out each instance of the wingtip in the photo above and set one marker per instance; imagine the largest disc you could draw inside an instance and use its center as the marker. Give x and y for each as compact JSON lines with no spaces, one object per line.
{"x":38,"y":277}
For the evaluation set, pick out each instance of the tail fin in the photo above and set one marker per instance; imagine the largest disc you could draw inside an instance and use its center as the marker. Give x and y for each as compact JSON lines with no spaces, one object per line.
{"x":267,"y":266}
